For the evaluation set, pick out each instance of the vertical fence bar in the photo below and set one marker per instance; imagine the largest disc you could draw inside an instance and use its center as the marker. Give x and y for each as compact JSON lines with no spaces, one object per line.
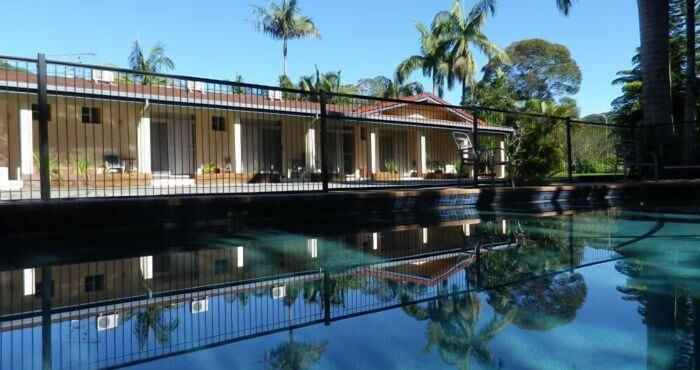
{"x":569,"y":152}
{"x":475,"y":144}
{"x":44,"y":172}
{"x":46,"y":291}
{"x":324,"y":155}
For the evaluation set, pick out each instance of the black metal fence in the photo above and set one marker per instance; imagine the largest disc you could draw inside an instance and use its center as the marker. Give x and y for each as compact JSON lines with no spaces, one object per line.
{"x":70,"y":130}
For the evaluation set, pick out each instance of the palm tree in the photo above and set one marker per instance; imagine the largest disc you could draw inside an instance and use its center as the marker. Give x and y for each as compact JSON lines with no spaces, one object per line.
{"x":399,"y":90}
{"x":690,"y":99}
{"x":432,"y":60}
{"x":293,"y":355}
{"x":460,"y":31}
{"x":284,"y":22}
{"x":454,"y":328}
{"x":317,"y":83}
{"x":320,"y":82}
{"x":489,"y":6}
{"x":156,"y":62}
{"x":654,"y":29}
{"x":152,"y":319}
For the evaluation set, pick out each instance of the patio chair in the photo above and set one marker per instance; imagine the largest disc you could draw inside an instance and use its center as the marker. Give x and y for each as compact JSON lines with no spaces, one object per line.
{"x":113,"y":164}
{"x":465,"y":149}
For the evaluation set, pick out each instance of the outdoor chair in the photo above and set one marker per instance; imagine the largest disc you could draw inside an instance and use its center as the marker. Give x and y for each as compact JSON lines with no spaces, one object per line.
{"x":113,"y":164}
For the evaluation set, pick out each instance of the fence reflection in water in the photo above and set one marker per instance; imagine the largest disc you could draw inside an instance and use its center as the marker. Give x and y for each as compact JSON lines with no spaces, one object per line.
{"x":111,"y":313}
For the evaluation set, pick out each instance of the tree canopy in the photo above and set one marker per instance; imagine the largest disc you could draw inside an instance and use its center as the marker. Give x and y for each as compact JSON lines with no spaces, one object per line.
{"x":542,"y":70}
{"x":284,"y":22}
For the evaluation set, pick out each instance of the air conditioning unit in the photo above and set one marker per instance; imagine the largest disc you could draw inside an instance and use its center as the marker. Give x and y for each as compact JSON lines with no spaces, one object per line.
{"x":102,"y":76}
{"x":106,"y":322}
{"x":279,"y":292}
{"x":274,"y":94}
{"x":200,"y":305}
{"x":195,"y":86}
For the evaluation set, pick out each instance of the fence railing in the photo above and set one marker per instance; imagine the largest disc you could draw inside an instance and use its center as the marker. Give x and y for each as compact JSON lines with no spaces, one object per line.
{"x":71,"y":130}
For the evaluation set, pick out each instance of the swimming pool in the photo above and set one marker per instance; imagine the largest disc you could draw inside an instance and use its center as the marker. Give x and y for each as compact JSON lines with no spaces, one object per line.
{"x":604,"y":289}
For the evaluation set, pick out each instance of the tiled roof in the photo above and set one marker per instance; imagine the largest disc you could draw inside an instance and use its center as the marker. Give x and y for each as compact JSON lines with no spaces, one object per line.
{"x":213,"y":95}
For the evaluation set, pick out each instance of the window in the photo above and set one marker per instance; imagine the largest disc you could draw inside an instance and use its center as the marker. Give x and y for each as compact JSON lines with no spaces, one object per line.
{"x":38,"y":289}
{"x":91,"y":115}
{"x":35,"y":111}
{"x":221,"y":266}
{"x":218,"y":123}
{"x":94,"y":283}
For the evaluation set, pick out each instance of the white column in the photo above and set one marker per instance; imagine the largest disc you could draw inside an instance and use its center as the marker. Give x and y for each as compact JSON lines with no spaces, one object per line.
{"x":311,"y":149}
{"x":375,"y":241}
{"x":146,"y":265}
{"x":29,"y":281}
{"x":237,"y":146}
{"x":373,"y":151}
{"x":143,"y":141}
{"x":501,"y":173}
{"x":312,"y":247}
{"x":239,"y":257}
{"x":425,"y":235}
{"x":26,"y":141}
{"x":466,"y":229}
{"x":423,"y":155}
{"x":4,"y":177}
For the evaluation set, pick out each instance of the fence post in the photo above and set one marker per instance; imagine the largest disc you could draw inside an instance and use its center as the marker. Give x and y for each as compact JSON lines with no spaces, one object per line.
{"x":477,"y":159}
{"x":569,"y":155}
{"x":42,"y":100}
{"x":324,"y":157}
{"x":326,"y":299}
{"x":46,"y":288}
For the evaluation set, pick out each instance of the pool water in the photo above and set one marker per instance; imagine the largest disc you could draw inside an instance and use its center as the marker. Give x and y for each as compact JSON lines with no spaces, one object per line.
{"x":604,"y":289}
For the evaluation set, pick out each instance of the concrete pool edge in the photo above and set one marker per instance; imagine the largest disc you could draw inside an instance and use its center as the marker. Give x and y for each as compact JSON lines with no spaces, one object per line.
{"x":76,"y":214}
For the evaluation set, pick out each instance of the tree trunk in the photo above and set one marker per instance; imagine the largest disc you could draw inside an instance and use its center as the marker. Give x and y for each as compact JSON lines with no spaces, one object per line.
{"x":464,"y":91}
{"x":656,"y":93}
{"x":284,"y":57}
{"x":690,"y":108}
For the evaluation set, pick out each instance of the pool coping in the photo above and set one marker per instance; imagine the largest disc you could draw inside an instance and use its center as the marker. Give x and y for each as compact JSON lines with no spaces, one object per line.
{"x":76,"y":214}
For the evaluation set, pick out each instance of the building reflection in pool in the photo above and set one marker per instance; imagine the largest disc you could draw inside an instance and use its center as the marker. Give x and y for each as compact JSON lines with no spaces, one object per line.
{"x":117,"y":312}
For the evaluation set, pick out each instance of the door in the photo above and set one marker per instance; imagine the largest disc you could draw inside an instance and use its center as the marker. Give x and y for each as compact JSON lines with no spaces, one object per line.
{"x":181,"y":150}
{"x":172,"y":147}
{"x":160,"y":161}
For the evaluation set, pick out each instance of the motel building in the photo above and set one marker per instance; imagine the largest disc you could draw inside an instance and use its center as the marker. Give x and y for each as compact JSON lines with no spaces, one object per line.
{"x":111,"y":135}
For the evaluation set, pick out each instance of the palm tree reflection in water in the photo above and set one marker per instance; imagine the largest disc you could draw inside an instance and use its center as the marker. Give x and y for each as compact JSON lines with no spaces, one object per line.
{"x":293,"y":355}
{"x":152,"y":318}
{"x":454,"y":328}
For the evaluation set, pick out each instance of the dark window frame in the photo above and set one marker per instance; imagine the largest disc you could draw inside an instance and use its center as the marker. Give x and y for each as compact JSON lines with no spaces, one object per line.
{"x":218,"y":123}
{"x":222,"y":266}
{"x":94,"y":283}
{"x":91,"y":115}
{"x":35,"y":112}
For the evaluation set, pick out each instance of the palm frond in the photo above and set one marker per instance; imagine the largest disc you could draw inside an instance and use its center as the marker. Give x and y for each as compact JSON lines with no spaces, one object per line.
{"x":565,"y":6}
{"x":408,"y":66}
{"x":136,"y":59}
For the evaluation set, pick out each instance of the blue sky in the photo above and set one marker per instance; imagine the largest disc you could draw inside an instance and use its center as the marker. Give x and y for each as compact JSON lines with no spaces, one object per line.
{"x":362,"y":38}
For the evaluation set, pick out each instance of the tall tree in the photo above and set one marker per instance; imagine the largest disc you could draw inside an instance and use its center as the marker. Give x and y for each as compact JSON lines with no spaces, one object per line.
{"x":384,"y":87}
{"x":690,"y":110}
{"x":432,"y":60}
{"x":460,"y":32}
{"x":654,"y":58}
{"x":284,"y":22}
{"x":157,"y":61}
{"x":542,"y":70}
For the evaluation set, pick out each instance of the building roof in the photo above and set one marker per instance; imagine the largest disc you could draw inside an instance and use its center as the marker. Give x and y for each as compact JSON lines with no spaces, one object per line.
{"x":225,"y":97}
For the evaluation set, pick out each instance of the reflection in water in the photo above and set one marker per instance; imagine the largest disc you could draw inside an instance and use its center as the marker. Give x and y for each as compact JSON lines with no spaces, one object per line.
{"x":454,"y":329}
{"x":474,"y":286}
